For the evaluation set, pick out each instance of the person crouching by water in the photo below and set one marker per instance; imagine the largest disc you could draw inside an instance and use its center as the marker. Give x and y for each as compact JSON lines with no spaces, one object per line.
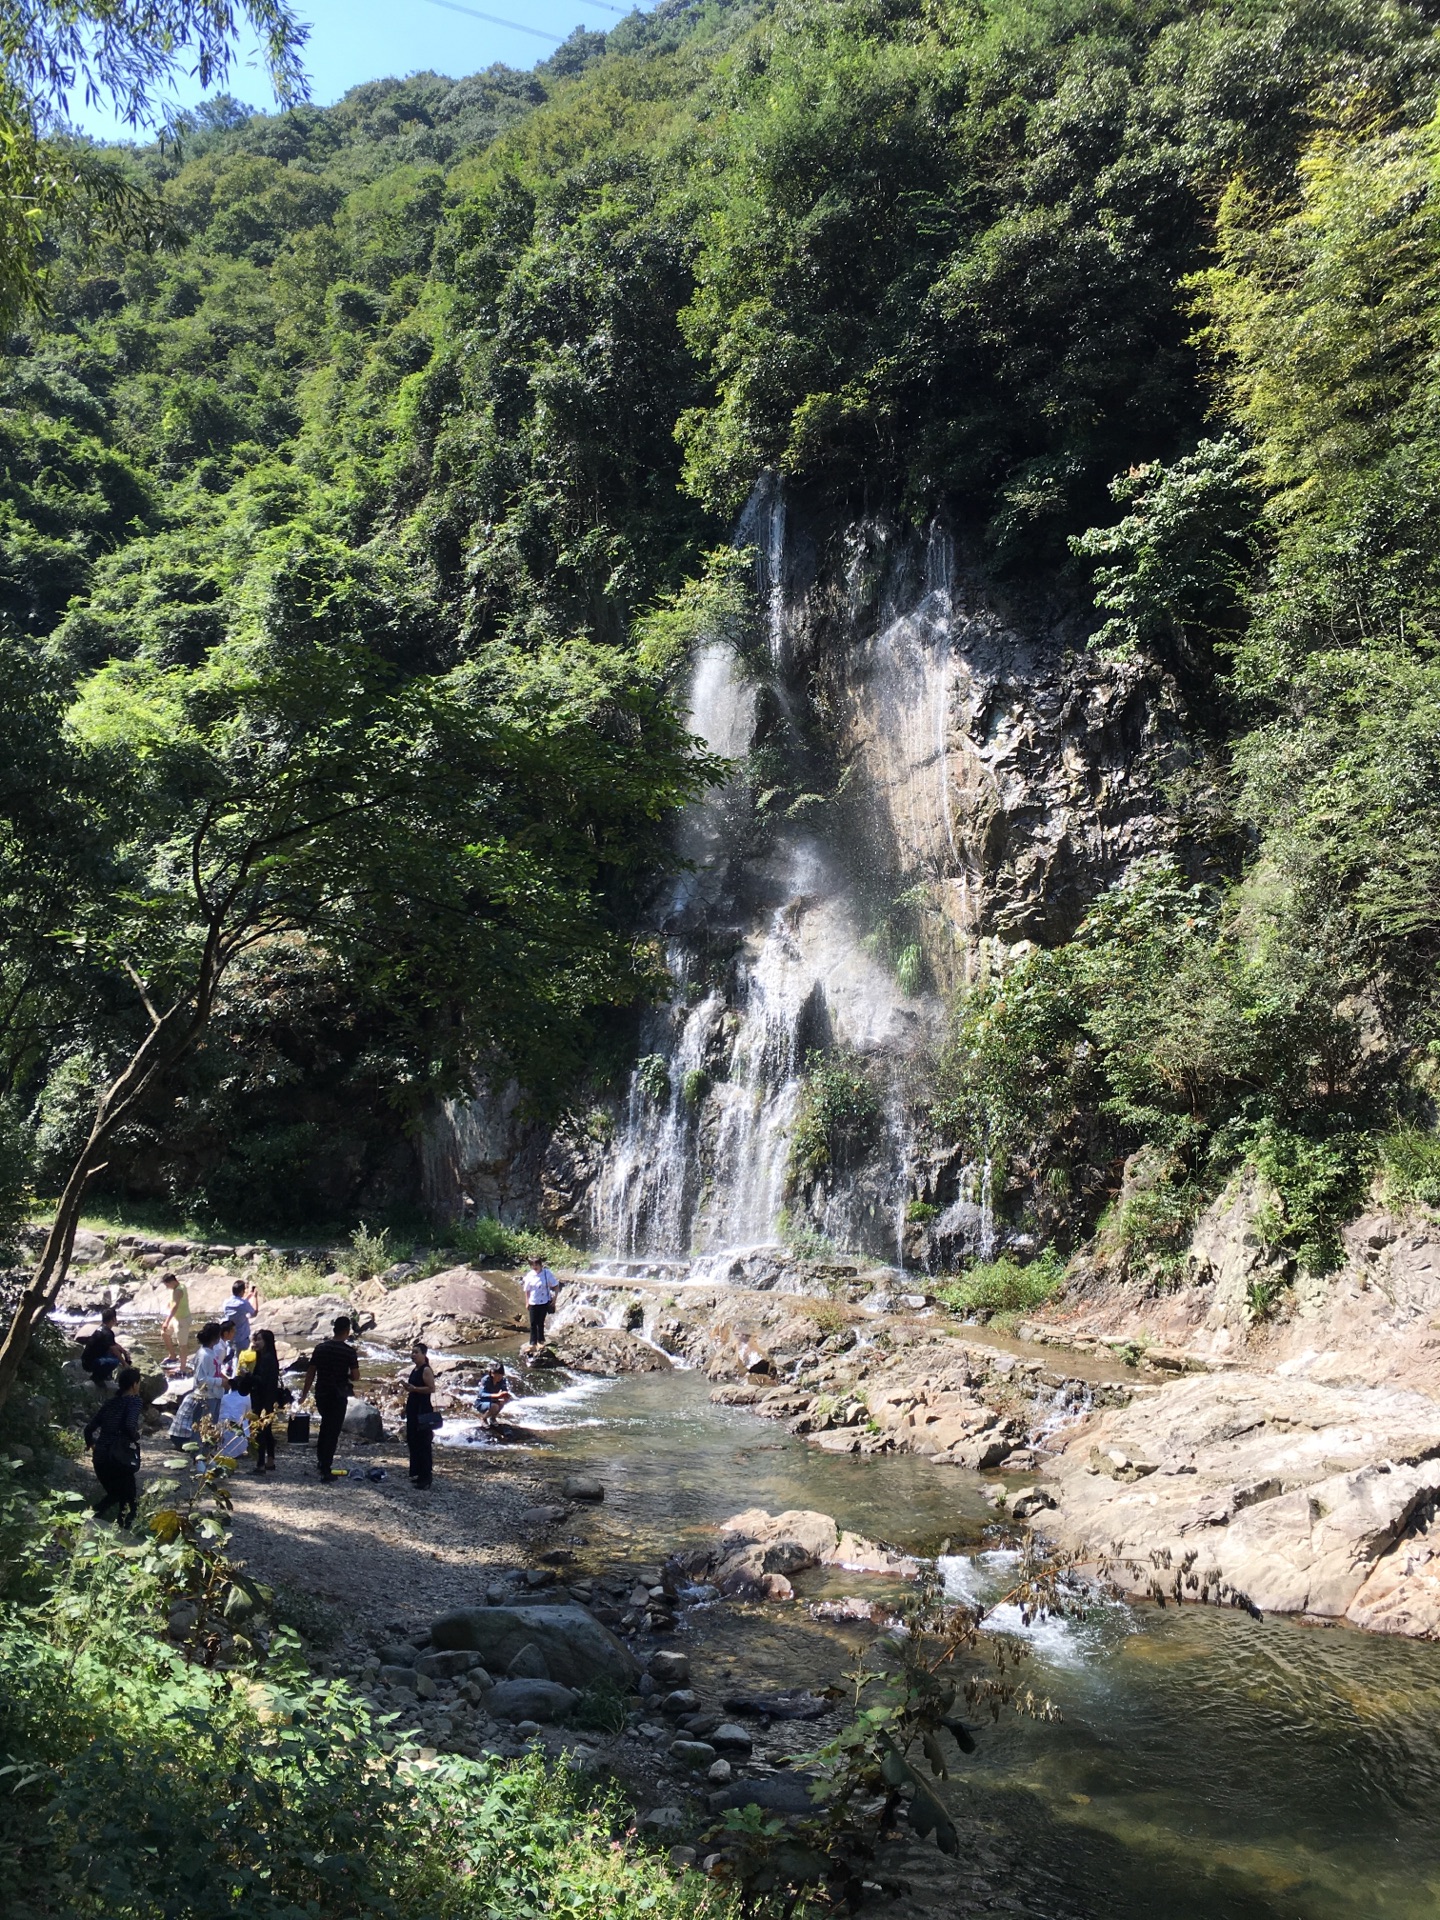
{"x":333,"y":1370}
{"x":420,"y":1417}
{"x":493,"y":1394}
{"x":101,"y":1354}
{"x":264,"y":1399}
{"x":113,"y":1436}
{"x":541,"y":1287}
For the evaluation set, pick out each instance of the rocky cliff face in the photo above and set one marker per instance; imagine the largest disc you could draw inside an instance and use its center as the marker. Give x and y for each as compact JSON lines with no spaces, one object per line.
{"x":927,"y":775}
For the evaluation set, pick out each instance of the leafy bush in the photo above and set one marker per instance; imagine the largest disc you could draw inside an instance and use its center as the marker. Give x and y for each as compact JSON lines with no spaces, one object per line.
{"x":1410,"y":1167}
{"x":1318,"y":1184}
{"x":652,"y":1075}
{"x":145,"y":1781}
{"x":1149,"y":1224}
{"x":838,"y":1118}
{"x":1005,"y":1285}
{"x":488,"y":1240}
{"x":371,"y":1252}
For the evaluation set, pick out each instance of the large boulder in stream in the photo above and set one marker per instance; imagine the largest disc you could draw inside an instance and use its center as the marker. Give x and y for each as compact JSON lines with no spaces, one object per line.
{"x":448,"y":1310}
{"x":1295,"y":1497}
{"x":607,"y":1350}
{"x":577,"y":1649}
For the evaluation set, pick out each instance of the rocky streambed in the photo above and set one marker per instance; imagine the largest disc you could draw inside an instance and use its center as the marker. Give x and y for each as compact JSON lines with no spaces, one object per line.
{"x":1206,"y":1763}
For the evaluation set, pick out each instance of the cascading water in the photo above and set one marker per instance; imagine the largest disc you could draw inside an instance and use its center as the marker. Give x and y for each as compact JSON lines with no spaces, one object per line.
{"x":769,"y":950}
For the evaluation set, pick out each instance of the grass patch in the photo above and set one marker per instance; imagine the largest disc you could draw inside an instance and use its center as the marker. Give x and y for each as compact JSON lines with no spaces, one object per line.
{"x":1004,"y":1285}
{"x":487,"y":1240}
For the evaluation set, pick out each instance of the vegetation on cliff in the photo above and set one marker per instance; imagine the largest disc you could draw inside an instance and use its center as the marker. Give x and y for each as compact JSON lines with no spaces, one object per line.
{"x":462,"y":383}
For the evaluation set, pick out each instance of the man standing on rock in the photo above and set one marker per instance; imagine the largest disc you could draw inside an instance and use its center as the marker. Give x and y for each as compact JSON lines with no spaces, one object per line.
{"x":541,"y":1287}
{"x":333,"y":1370}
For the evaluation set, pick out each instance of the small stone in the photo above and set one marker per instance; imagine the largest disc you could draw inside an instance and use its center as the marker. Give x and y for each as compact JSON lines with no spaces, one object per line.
{"x":729,"y":1738}
{"x":393,"y":1675}
{"x":648,"y":1685}
{"x":447,"y":1666}
{"x":536,"y":1577}
{"x":692,"y":1753}
{"x":682,"y":1858}
{"x":526,"y":1729}
{"x":682,"y":1700}
{"x":669,"y":1668}
{"x":425,"y":1687}
{"x":721,"y":1773}
{"x":583,"y":1486}
{"x":664,"y":1820}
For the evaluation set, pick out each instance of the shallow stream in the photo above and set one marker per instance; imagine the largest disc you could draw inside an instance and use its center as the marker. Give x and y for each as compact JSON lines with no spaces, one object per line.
{"x":1207,"y":1766}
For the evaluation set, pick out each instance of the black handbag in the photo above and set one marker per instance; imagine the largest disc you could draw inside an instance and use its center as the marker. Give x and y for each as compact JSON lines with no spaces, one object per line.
{"x":297,"y":1429}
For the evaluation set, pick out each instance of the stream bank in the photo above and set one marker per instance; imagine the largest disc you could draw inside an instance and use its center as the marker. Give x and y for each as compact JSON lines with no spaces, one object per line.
{"x":1208,"y":1765}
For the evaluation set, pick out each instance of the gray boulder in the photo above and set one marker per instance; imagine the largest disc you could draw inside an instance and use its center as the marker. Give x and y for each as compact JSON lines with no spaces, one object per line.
{"x":363,"y":1422}
{"x":577,"y":1649}
{"x":780,"y":1793}
{"x":729,"y":1738}
{"x":583,"y":1486}
{"x":670,"y":1668}
{"x":394,"y":1675}
{"x":541,"y":1700}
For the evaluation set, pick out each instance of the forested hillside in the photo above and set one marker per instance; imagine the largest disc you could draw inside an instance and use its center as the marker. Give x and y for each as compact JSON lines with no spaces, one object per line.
{"x":455,"y":390}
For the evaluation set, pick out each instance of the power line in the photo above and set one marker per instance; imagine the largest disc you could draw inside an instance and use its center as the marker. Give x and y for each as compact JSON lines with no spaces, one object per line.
{"x":494,"y":20}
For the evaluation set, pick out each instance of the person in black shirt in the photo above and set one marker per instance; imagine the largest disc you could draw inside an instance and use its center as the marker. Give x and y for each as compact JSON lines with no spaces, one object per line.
{"x":419,"y":1413}
{"x":113,"y":1435}
{"x":264,"y":1399}
{"x":334,"y":1367}
{"x":101,"y":1354}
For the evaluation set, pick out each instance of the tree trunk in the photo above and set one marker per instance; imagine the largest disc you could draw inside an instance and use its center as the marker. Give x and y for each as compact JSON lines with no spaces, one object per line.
{"x":170,"y":1037}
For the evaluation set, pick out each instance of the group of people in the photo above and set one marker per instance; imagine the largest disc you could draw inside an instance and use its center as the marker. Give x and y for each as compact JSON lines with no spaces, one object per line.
{"x":237,"y":1393}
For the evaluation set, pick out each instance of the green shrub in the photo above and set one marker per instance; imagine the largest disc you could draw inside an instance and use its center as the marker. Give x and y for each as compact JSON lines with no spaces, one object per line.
{"x":142,"y":1781}
{"x":1318,"y":1185}
{"x":653,"y":1075}
{"x":1410,"y":1167}
{"x":370,"y":1252}
{"x":838,"y":1117}
{"x":277,"y":1280}
{"x":1149,"y":1224}
{"x":488,"y":1240}
{"x":1004,"y":1285}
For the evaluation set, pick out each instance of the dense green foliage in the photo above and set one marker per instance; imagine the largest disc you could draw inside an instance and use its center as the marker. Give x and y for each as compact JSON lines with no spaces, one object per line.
{"x":209,"y":1773}
{"x":470,"y":378}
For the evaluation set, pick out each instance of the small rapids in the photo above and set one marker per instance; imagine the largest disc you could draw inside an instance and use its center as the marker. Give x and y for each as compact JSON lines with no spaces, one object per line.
{"x":1204,"y":1765}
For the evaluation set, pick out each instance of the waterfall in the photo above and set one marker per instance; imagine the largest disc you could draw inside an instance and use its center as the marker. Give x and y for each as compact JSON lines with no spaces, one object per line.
{"x":772,"y":947}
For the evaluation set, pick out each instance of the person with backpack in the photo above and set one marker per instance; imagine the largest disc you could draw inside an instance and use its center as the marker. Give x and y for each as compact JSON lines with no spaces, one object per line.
{"x":333,"y":1370}
{"x":101,"y":1354}
{"x":112,"y":1434}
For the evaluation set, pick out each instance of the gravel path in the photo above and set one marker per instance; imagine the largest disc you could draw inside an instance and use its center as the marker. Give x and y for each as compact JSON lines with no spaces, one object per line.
{"x":379,"y":1551}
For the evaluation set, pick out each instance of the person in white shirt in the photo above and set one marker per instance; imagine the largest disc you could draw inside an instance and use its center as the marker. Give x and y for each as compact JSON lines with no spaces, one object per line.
{"x":207,"y":1386}
{"x":234,"y":1420}
{"x":541,"y":1287}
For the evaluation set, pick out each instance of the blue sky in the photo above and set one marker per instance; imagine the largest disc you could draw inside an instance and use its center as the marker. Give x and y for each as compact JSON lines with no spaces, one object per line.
{"x":355,"y":40}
